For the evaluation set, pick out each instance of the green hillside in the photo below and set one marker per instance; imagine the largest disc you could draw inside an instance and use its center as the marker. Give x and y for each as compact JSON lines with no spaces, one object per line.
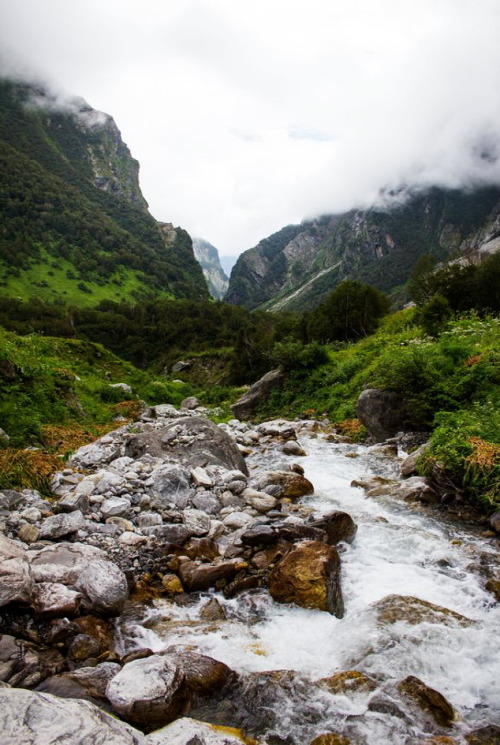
{"x":74,"y":224}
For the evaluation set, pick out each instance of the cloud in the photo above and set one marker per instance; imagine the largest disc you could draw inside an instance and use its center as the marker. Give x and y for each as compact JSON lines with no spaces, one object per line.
{"x":248,"y":116}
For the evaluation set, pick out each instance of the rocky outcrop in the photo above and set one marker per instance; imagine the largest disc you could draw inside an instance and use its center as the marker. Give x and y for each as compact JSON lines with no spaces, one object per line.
{"x":194,"y":442}
{"x":208,"y":258}
{"x":246,"y":406}
{"x":295,"y":268}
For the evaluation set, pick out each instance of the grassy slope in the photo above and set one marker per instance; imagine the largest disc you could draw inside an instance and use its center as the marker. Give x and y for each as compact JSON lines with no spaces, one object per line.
{"x":451,"y":384}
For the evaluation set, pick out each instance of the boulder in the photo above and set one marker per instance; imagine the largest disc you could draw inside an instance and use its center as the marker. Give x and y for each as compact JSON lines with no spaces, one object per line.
{"x":489,"y":735}
{"x":85,"y":569}
{"x":393,"y":608}
{"x":192,"y":441}
{"x":427,"y":699}
{"x":197,"y":576}
{"x":170,"y":487}
{"x":246,"y":406}
{"x":382,"y":412}
{"x":61,"y":525}
{"x":34,"y":718}
{"x":191,"y":402}
{"x":16,"y":581}
{"x":186,"y":731}
{"x":409,"y":465}
{"x":55,"y":600}
{"x":149,"y":692}
{"x":289,"y":484}
{"x":309,"y":576}
{"x":339,"y":526}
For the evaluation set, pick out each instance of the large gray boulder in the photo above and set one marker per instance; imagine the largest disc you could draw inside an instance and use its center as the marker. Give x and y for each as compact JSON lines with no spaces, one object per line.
{"x":246,"y":406}
{"x":32,"y":718}
{"x":192,"y":441}
{"x":86,"y":569}
{"x":16,"y":581}
{"x":149,"y":692}
{"x":383,"y":413}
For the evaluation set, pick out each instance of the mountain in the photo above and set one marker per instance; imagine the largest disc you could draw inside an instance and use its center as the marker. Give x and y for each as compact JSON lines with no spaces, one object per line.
{"x":295,"y":268}
{"x":74,"y":223}
{"x":208,"y":258}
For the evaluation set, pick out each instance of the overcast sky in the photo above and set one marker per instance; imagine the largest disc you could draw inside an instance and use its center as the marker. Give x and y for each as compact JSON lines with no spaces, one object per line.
{"x":247,"y":115}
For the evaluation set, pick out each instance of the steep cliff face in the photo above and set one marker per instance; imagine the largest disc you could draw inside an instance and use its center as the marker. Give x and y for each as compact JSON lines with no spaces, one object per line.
{"x":74,"y":220}
{"x":377,"y":246}
{"x":208,"y":258}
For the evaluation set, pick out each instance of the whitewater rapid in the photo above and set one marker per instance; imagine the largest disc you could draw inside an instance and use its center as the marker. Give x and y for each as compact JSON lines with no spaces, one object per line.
{"x":398,"y":550}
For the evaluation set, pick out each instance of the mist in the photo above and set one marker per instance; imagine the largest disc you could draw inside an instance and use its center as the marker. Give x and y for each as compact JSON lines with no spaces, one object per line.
{"x":249,"y":116}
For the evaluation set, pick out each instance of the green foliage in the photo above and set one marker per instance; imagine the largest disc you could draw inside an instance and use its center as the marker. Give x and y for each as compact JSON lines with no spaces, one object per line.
{"x":434,"y":315}
{"x":293,"y":355}
{"x":464,"y":453}
{"x":351,"y":311}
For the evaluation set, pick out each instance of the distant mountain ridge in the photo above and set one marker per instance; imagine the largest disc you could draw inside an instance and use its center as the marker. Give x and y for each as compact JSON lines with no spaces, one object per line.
{"x":75,"y":224}
{"x":209,"y":260}
{"x":295,"y":268}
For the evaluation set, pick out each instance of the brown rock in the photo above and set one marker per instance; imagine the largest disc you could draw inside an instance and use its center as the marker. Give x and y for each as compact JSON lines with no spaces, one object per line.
{"x":309,"y":576}
{"x":489,"y":735}
{"x":213,"y":611}
{"x":414,"y":611}
{"x":83,"y":647}
{"x":428,"y":699}
{"x":330,"y":738}
{"x":246,"y":406}
{"x":291,"y":485}
{"x":28,"y":533}
{"x":349,"y":681}
{"x":172,"y":584}
{"x":202,"y":576}
{"x":339,"y":526}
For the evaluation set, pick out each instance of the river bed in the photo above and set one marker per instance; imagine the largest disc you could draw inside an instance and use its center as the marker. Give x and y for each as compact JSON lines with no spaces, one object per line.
{"x":398,"y":550}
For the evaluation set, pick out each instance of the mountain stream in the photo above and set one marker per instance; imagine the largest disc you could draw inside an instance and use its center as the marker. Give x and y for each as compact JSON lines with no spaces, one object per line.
{"x":398,"y":551}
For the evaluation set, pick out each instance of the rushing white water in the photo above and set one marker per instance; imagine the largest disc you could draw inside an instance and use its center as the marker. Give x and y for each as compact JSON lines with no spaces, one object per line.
{"x":397,"y":550}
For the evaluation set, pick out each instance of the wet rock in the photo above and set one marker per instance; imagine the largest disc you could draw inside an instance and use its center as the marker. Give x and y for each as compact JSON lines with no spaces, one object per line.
{"x":16,"y":580}
{"x":428,"y":700}
{"x":213,"y":611}
{"x":418,"y":488}
{"x":11,"y":654}
{"x":61,"y":525}
{"x":34,"y":718}
{"x":309,"y":576}
{"x":290,"y":485}
{"x":414,"y":611}
{"x":192,"y":441}
{"x":349,"y":681}
{"x":259,"y":535}
{"x":294,"y":532}
{"x":149,"y":692}
{"x":330,"y":738}
{"x":292,"y":447}
{"x":409,"y":465}
{"x":94,"y":679}
{"x":382,"y":413}
{"x":339,"y":526}
{"x":246,"y":406}
{"x":203,"y":675}
{"x":196,"y":576}
{"x":186,"y":731}
{"x":83,"y":647}
{"x":495,"y":522}
{"x":172,"y":584}
{"x":493,"y":586}
{"x":489,"y":735}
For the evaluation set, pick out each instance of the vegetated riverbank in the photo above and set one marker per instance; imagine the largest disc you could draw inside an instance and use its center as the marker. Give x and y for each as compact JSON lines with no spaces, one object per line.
{"x":291,"y":606}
